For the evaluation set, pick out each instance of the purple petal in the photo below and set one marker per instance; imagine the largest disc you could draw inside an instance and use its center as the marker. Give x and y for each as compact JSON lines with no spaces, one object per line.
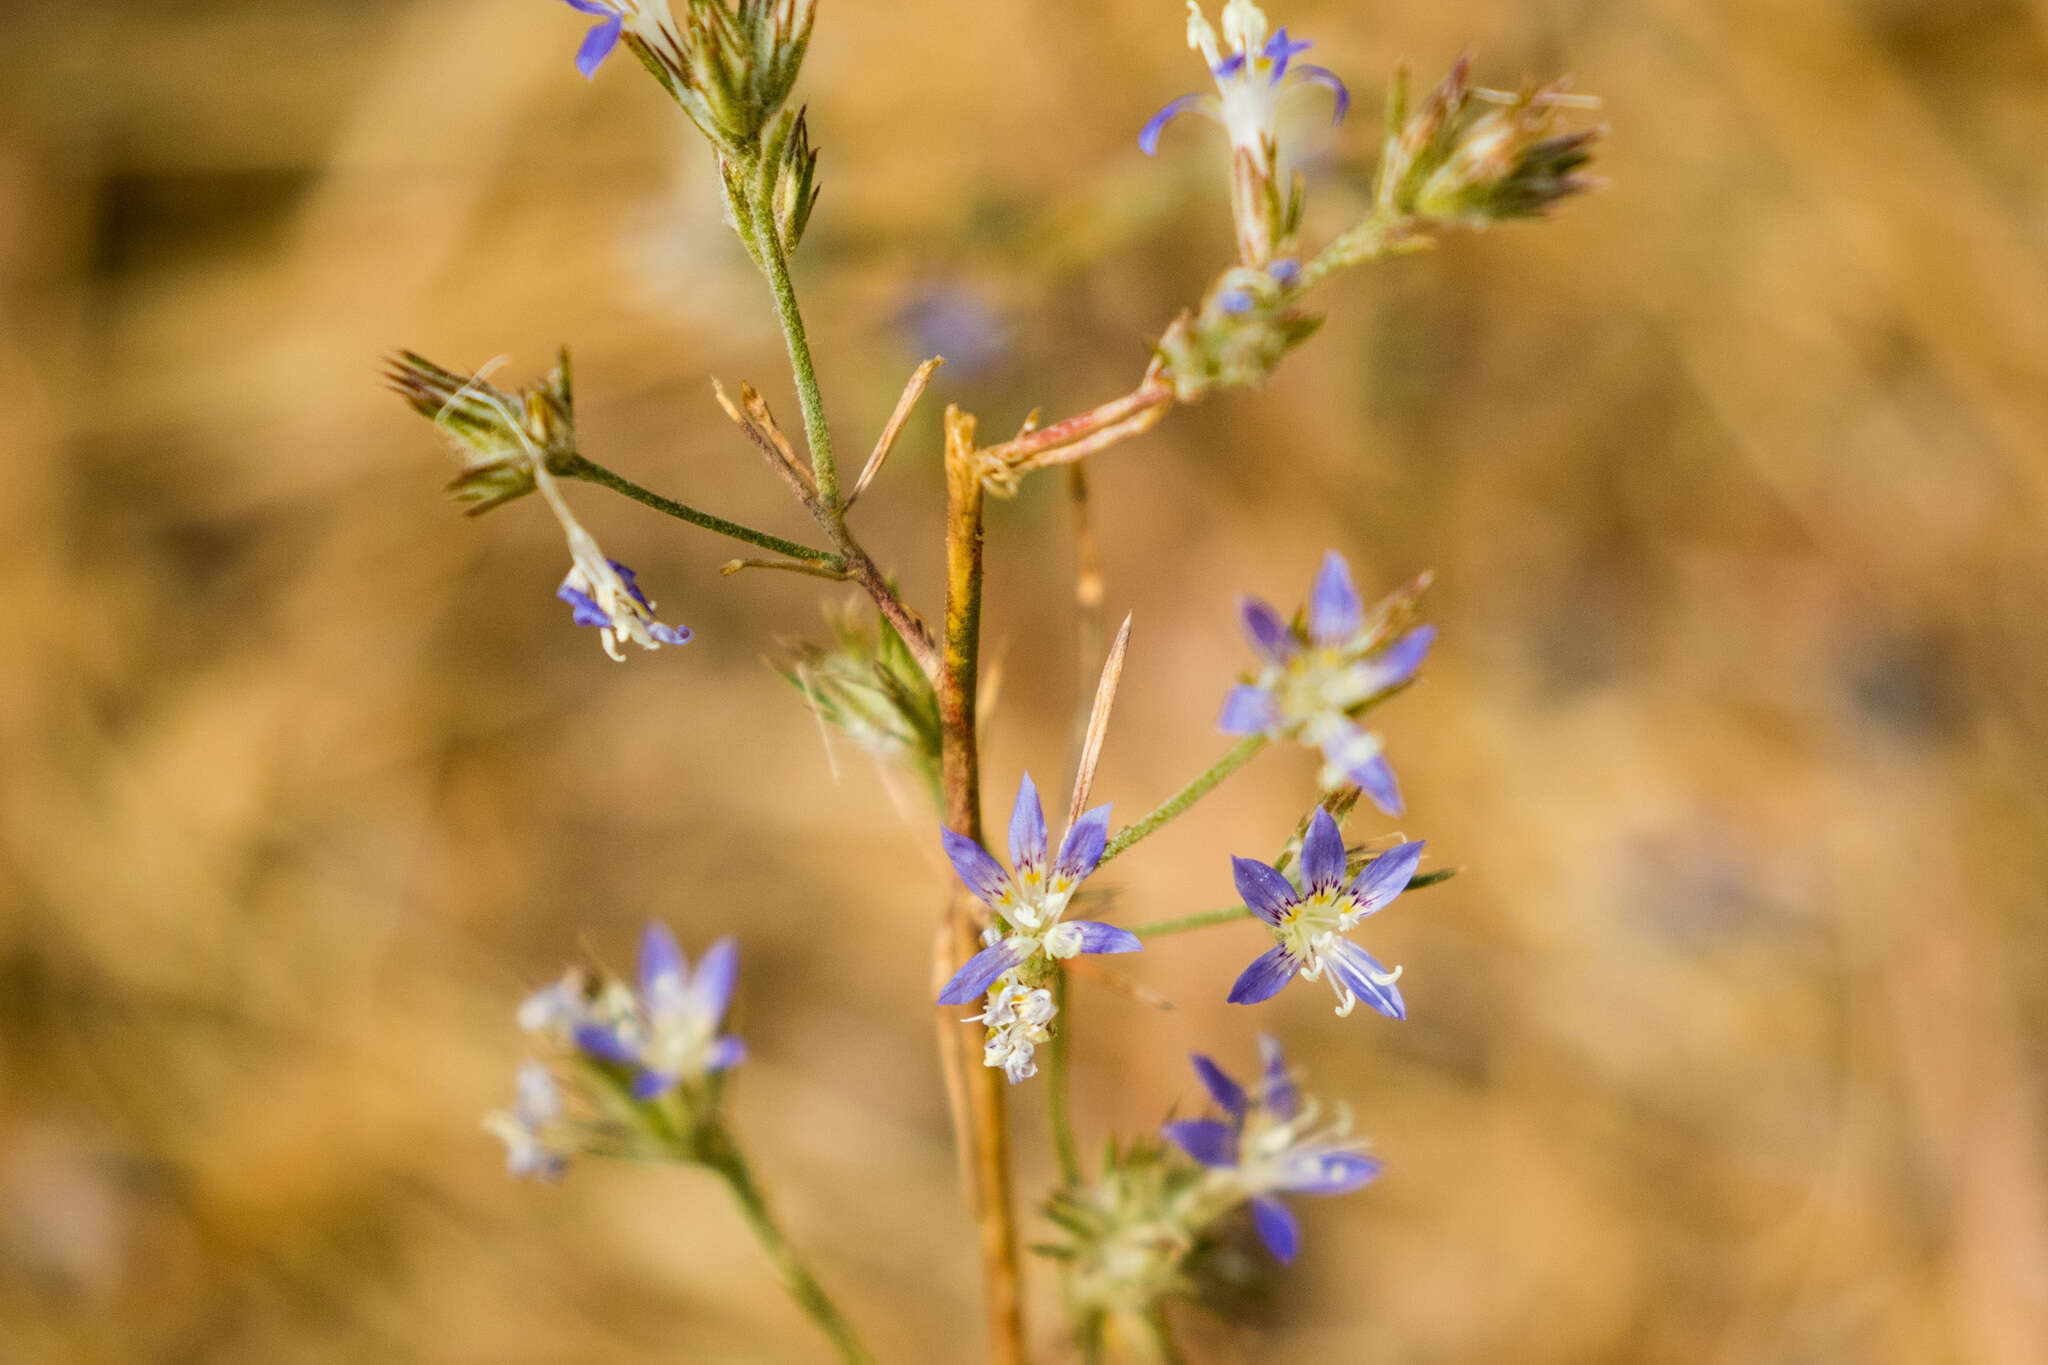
{"x":589,"y":7}
{"x":1355,"y":967}
{"x":1267,"y":632}
{"x":1249,"y":710}
{"x":1027,"y":827}
{"x":1322,"y":853}
{"x":972,"y":981}
{"x":725,"y":1054}
{"x":1234,"y":301}
{"x":1277,"y":1228}
{"x":983,"y":875}
{"x":1385,"y":877}
{"x":584,"y":610}
{"x":1334,"y":1173}
{"x":632,"y":582}
{"x":649,"y":1084}
{"x":598,"y":45}
{"x":1081,"y":850}
{"x":1334,"y":612}
{"x":717,"y":971}
{"x":1398,"y":662}
{"x":1279,"y":1093}
{"x":1280,"y":50}
{"x":1097,"y":937}
{"x":1266,"y":892}
{"x":1228,"y":1094}
{"x":1376,"y":779}
{"x":1148,"y":136}
{"x":605,"y":1044}
{"x":1264,"y":978}
{"x":669,"y":635}
{"x":1229,"y":66}
{"x":662,"y":965}
{"x":1323,"y":76}
{"x":1206,"y":1140}
{"x":1285,"y":271}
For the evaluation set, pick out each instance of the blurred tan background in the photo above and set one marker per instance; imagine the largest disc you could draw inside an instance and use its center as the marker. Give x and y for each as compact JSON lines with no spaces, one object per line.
{"x":1728,"y":1045}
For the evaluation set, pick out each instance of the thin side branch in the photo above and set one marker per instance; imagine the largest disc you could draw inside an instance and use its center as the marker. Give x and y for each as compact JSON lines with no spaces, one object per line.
{"x":589,"y":471}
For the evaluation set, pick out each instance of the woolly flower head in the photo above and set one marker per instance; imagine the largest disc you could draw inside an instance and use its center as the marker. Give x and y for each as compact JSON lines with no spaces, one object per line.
{"x":1272,"y":1142}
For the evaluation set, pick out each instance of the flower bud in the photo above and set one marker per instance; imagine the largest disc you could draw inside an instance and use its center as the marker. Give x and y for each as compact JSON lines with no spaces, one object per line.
{"x":498,"y":436}
{"x":729,"y":63}
{"x":1469,"y":159}
{"x":1247,"y":323}
{"x":869,"y":686}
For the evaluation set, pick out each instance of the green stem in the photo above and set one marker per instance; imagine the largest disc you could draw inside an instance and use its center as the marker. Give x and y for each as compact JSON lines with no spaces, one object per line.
{"x":827,"y":508}
{"x":1379,"y":236}
{"x":577,"y":467}
{"x":1056,"y":1085}
{"x":1202,"y":919}
{"x":1240,"y":754}
{"x":803,"y":1286}
{"x":775,"y":264}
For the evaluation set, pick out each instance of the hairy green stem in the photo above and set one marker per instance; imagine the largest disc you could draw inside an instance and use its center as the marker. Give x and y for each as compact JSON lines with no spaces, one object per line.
{"x":827,"y":507}
{"x":1056,"y":1109}
{"x":775,"y":264}
{"x":589,"y":471}
{"x":724,"y":1158}
{"x":1376,"y":238}
{"x":1240,"y":754}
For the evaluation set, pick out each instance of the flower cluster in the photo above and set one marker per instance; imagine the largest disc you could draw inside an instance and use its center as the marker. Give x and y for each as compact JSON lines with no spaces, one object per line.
{"x":498,"y":436}
{"x":621,"y":1053}
{"x":667,"y":1032}
{"x":1310,"y":920}
{"x":1133,"y":1237}
{"x":1155,"y":1224}
{"x":638,"y":1068}
{"x":1029,"y":932}
{"x":729,"y":65}
{"x":515,"y":444}
{"x":1269,"y":1143}
{"x":1018,"y":1020}
{"x":1316,"y":680}
{"x":1471,"y":157}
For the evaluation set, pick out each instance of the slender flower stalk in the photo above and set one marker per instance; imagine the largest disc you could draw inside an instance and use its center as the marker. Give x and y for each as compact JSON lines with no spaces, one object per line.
{"x":1181,"y":801}
{"x":577,"y":467}
{"x":1065,"y":1150}
{"x":809,"y":1295}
